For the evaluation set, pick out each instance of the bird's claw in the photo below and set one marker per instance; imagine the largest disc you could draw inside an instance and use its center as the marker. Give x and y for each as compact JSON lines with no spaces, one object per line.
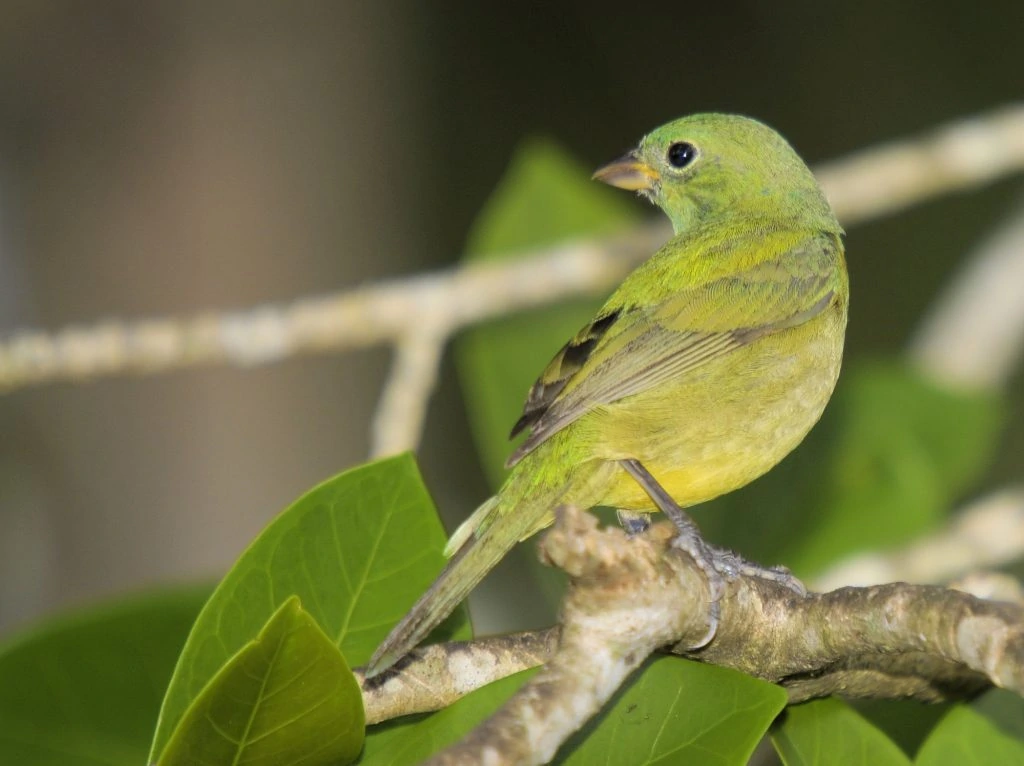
{"x":717,"y":568}
{"x":721,"y":566}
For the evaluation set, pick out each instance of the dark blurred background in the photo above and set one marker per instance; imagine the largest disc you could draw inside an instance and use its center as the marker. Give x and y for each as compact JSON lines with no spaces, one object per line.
{"x":170,"y":157}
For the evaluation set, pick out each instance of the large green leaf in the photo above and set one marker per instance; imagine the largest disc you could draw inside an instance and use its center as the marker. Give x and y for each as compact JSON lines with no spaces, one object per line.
{"x":286,"y":698}
{"x":545,"y":197}
{"x":85,"y":689}
{"x":827,"y":732}
{"x":965,"y":737}
{"x":677,"y":711}
{"x":357,"y":550}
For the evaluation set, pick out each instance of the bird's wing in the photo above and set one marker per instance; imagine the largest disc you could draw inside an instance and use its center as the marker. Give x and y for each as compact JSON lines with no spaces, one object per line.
{"x":626,"y":350}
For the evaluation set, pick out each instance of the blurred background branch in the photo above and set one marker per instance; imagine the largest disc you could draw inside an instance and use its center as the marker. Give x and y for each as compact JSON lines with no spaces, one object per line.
{"x":418,"y":314}
{"x":974,"y":334}
{"x":986,"y":534}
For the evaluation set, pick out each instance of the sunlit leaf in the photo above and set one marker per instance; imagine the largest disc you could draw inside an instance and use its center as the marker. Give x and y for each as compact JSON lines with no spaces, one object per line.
{"x":672,"y":711}
{"x":86,"y":688}
{"x":286,"y":698}
{"x":1004,"y":708}
{"x":829,"y":732}
{"x":966,"y":737}
{"x":357,"y":550}
{"x":677,"y":711}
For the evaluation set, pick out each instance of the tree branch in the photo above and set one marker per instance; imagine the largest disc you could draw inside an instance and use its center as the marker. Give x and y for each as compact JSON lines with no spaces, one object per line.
{"x":959,"y":156}
{"x":433,"y":677}
{"x":630,"y":597}
{"x":385,"y":313}
{"x":399,"y":419}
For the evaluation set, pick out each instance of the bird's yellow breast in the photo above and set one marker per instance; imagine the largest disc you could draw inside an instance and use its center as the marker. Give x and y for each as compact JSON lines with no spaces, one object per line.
{"x":724,"y":425}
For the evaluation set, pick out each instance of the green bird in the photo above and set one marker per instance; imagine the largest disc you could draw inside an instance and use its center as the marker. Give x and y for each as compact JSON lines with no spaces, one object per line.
{"x":707,"y":366}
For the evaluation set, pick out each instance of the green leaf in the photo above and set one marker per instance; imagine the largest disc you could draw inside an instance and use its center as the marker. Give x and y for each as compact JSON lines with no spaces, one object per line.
{"x":678,"y":711}
{"x":544,"y":198}
{"x":1004,"y":708}
{"x":965,"y":737}
{"x":357,"y":550}
{"x":906,"y":722}
{"x":829,"y":731}
{"x":286,"y":698}
{"x":402,"y":743}
{"x":86,"y":688}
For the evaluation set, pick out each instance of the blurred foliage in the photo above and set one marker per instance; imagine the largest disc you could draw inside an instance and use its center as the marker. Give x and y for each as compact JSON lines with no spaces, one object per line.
{"x":324,"y":582}
{"x":86,"y":688}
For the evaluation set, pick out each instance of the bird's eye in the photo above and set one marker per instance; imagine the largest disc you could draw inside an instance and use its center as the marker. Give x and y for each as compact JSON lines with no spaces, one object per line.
{"x":681,"y":154}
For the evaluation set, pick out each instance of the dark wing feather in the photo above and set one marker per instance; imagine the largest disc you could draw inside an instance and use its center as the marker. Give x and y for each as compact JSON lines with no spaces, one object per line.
{"x":567,"y":362}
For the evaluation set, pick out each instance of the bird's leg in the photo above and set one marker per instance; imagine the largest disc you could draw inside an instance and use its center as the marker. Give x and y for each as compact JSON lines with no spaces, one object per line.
{"x":634,"y":523}
{"x":709,"y":559}
{"x":661,"y":498}
{"x":718,"y":564}
{"x":778,"y":574}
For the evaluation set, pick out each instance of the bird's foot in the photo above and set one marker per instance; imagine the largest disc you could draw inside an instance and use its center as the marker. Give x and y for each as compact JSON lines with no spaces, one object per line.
{"x":719,"y":565}
{"x":777,"y":574}
{"x":632,"y":522}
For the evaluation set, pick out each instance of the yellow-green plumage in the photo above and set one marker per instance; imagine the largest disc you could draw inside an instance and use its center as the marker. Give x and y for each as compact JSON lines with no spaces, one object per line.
{"x":708,"y":365}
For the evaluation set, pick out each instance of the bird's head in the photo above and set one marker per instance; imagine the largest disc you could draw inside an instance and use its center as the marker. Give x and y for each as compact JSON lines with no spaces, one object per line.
{"x":708,"y":166}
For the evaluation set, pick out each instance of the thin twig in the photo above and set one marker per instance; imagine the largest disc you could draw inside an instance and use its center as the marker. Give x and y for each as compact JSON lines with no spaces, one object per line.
{"x":402,"y":409}
{"x":974,"y":334}
{"x":989,"y":533}
{"x":384,"y":313}
{"x":432,"y":677}
{"x":962,"y":155}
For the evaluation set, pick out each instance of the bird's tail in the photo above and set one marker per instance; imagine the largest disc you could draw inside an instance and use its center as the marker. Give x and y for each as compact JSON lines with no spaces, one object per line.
{"x":475,"y":548}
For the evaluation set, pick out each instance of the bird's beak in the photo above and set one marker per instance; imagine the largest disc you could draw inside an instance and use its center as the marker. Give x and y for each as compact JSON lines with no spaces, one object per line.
{"x":628,"y":172}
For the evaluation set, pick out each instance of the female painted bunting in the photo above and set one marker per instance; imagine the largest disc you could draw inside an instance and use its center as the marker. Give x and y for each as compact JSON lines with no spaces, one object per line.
{"x":705,"y":368}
